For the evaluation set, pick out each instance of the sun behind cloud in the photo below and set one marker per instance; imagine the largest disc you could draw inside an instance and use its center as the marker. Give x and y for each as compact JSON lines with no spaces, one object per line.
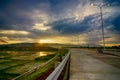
{"x":41,"y":26}
{"x":46,"y":41}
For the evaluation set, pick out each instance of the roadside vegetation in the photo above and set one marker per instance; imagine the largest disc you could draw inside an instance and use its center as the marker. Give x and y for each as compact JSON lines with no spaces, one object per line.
{"x":27,"y":47}
{"x":16,"y":59}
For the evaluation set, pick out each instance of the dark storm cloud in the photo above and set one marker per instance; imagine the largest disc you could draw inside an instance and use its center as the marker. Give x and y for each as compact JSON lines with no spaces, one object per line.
{"x":113,"y":2}
{"x":59,"y":5}
{"x":60,"y":8}
{"x":66,"y":27}
{"x":116,"y":23}
{"x":16,"y":23}
{"x":20,"y":15}
{"x":72,"y":26}
{"x":15,"y":14}
{"x":23,"y":4}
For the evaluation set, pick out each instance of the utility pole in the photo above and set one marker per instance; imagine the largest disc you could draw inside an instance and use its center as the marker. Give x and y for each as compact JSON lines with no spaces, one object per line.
{"x":101,"y":15}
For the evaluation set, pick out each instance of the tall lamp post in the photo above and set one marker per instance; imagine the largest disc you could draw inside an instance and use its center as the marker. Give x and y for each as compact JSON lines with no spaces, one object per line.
{"x":101,"y":14}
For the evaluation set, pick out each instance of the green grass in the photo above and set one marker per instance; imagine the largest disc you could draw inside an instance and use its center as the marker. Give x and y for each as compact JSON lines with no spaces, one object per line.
{"x":23,"y":68}
{"x":36,"y":74}
{"x":2,"y":66}
{"x":14,"y":63}
{"x":40,"y":71}
{"x":63,"y":51}
{"x":44,"y":58}
{"x":8,"y":77}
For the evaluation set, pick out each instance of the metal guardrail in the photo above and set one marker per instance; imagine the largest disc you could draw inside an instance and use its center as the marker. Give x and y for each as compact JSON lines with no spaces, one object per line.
{"x":35,"y":69}
{"x":56,"y":73}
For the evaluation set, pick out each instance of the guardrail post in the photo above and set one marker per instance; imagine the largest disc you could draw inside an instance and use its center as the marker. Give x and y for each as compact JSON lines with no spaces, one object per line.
{"x":67,"y":71}
{"x":68,"y":76}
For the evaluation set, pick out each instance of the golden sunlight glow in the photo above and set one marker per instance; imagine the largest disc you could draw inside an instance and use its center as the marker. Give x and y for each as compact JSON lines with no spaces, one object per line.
{"x":77,"y":16}
{"x":41,"y":26}
{"x":112,"y":44}
{"x":42,"y":54}
{"x":11,"y":32}
{"x":65,"y":40}
{"x":46,"y":41}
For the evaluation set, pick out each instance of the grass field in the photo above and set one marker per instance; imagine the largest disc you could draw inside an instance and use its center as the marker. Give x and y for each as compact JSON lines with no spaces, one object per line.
{"x":14,"y":63}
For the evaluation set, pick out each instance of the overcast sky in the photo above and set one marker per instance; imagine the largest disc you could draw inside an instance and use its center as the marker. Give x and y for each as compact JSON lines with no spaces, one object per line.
{"x":59,"y":21}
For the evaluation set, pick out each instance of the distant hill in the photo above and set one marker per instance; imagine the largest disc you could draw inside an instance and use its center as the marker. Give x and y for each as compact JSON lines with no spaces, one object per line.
{"x":26,"y":47}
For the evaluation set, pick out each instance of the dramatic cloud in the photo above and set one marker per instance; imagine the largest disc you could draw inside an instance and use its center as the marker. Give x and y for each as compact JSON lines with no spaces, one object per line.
{"x":58,"y":20}
{"x":116,"y":23}
{"x":3,"y":41}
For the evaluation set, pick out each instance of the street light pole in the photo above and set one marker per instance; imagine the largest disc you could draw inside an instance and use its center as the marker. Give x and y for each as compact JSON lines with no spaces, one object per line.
{"x":101,"y":14}
{"x":102,"y":26}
